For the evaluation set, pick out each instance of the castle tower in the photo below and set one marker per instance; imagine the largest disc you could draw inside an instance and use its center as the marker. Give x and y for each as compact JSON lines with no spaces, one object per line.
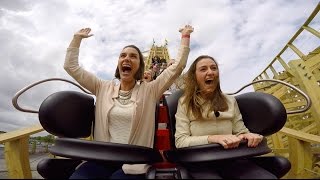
{"x":156,"y":53}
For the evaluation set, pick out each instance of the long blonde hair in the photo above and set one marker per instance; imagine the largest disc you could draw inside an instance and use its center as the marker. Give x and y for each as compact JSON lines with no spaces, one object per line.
{"x":192,"y":97}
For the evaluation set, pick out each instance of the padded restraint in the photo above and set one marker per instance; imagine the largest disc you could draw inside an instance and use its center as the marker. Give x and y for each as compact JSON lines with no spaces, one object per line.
{"x":67,"y":114}
{"x":104,"y":151}
{"x":262,"y":113}
{"x":215,"y":152}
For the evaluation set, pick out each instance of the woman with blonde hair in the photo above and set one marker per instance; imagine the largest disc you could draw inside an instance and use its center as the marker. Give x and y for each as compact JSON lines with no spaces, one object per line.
{"x":206,"y":115}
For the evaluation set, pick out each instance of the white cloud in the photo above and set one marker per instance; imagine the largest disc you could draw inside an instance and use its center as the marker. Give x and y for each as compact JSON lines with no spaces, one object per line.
{"x":244,"y":36}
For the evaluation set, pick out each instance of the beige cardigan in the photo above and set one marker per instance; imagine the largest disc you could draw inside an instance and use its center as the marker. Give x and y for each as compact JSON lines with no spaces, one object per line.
{"x":144,"y":96}
{"x":191,"y":132}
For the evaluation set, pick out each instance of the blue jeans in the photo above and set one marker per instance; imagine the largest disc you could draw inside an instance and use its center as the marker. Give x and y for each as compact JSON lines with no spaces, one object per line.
{"x":94,"y":170}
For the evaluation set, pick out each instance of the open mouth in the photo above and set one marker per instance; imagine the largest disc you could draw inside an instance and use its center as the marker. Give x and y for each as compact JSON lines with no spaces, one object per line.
{"x":208,"y":82}
{"x":126,"y":69}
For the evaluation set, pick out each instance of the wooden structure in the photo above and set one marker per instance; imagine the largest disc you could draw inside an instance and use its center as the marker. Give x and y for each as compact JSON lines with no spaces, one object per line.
{"x":160,"y":52}
{"x":16,"y":151}
{"x":299,"y":140}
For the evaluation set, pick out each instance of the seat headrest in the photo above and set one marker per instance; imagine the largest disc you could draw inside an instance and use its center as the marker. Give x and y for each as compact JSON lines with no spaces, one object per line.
{"x":67,"y":114}
{"x":262,"y":113}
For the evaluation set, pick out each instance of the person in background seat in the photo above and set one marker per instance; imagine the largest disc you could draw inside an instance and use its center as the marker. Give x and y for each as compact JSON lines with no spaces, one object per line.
{"x":147,"y":76}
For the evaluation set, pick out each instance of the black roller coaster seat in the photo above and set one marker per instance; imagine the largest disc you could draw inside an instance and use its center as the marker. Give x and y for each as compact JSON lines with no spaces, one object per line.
{"x":262,"y":113}
{"x":69,"y":115}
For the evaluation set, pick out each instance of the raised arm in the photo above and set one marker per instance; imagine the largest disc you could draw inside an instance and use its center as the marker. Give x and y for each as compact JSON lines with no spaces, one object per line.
{"x":170,"y":74}
{"x":185,"y":35}
{"x":71,"y":64}
{"x":78,"y":36}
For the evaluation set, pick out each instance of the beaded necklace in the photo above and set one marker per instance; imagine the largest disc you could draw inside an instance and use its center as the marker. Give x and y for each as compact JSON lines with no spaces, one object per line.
{"x":124,"y":96}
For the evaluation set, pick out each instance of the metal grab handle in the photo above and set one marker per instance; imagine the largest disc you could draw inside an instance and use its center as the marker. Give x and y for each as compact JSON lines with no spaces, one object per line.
{"x":17,"y":95}
{"x":286,"y":84}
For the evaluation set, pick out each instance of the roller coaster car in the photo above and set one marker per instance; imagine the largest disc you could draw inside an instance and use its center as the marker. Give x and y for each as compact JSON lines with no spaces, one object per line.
{"x":262,"y":113}
{"x":69,"y":115}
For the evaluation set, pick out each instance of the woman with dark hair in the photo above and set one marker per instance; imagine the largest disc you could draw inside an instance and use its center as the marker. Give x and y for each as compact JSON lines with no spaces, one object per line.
{"x":206,"y":115}
{"x":124,"y":111}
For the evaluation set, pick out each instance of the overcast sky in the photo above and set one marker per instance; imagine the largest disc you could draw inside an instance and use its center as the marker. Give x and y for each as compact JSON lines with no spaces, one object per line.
{"x":243,"y":35}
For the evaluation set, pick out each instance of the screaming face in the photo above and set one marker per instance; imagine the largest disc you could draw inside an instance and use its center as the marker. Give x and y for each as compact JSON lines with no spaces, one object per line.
{"x":207,"y":76}
{"x":147,"y":76}
{"x":128,"y":64}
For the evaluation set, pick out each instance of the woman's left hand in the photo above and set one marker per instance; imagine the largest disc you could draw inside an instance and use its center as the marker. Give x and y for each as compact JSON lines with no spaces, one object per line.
{"x":186,"y":30}
{"x":253,"y":139}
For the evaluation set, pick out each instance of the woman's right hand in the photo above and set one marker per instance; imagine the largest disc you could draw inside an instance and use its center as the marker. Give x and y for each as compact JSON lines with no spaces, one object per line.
{"x":83,"y":33}
{"x":227,"y":140}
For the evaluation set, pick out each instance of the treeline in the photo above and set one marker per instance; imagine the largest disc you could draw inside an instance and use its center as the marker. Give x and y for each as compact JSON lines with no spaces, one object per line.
{"x":47,"y":139}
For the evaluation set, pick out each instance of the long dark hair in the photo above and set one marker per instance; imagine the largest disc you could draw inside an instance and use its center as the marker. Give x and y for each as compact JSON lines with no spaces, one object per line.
{"x":139,"y":74}
{"x":192,"y":95}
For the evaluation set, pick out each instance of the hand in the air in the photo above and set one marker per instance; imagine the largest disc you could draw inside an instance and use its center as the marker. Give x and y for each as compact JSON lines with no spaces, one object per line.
{"x":83,"y":33}
{"x":186,"y":30}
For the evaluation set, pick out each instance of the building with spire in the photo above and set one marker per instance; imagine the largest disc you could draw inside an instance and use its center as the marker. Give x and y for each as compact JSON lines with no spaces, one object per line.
{"x":156,"y":54}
